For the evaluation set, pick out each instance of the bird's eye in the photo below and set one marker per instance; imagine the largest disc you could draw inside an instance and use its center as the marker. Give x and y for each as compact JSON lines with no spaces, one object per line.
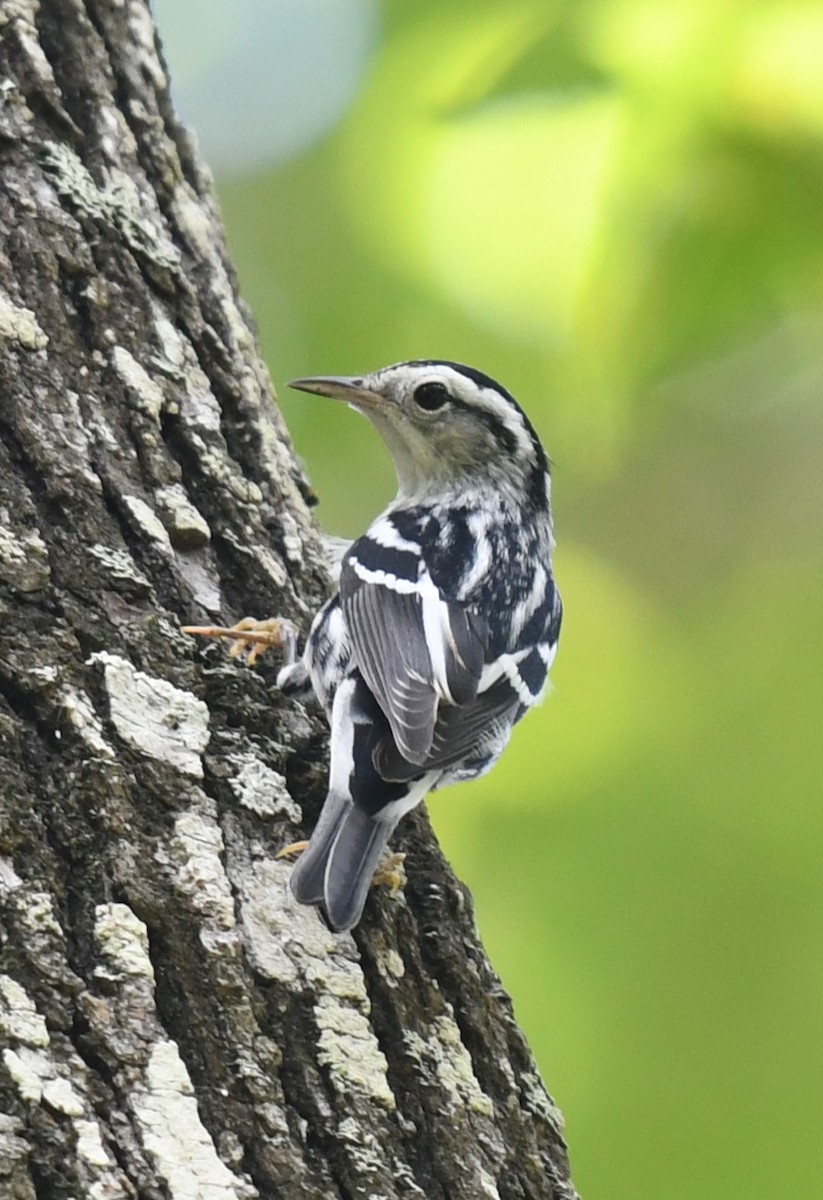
{"x":431,"y":396}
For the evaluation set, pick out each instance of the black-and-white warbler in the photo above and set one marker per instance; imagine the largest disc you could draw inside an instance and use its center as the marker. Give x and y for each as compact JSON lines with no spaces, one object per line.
{"x":446,"y":619}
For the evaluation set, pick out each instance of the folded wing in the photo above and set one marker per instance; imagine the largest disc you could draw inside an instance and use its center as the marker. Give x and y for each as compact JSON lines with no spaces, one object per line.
{"x":414,"y":649}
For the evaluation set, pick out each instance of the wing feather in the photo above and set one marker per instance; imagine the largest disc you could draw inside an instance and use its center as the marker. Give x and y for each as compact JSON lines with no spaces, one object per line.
{"x":414,"y":648}
{"x":459,"y":732}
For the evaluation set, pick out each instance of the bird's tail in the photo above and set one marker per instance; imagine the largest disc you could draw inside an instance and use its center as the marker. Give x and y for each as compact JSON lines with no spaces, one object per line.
{"x":337,"y":868}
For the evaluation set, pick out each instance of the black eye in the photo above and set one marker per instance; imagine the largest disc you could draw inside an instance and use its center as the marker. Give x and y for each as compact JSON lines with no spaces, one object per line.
{"x":431,"y":396}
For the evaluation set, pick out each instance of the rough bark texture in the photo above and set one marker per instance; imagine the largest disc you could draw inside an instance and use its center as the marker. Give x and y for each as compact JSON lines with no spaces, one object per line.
{"x":170,"y":1025}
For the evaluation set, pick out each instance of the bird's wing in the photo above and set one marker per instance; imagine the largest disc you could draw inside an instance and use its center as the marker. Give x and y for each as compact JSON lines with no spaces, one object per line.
{"x":414,"y":648}
{"x":478,"y":730}
{"x":471,"y":731}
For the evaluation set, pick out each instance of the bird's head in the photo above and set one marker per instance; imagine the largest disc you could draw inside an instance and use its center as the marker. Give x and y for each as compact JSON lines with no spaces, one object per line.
{"x":446,"y":427}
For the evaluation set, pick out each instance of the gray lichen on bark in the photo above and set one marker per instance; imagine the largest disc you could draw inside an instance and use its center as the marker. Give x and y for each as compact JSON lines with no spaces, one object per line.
{"x":170,"y":1024}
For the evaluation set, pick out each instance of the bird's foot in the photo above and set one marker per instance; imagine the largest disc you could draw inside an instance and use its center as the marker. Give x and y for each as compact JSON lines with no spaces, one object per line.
{"x":292,"y":848}
{"x":390,"y":872}
{"x":252,"y":638}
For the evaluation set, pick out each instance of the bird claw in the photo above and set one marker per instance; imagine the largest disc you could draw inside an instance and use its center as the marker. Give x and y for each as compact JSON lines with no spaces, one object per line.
{"x":390,"y":872}
{"x":251,"y":637}
{"x":293,"y":848}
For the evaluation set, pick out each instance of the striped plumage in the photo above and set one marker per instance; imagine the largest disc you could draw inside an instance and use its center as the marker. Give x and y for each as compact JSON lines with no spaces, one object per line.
{"x":445,"y":622}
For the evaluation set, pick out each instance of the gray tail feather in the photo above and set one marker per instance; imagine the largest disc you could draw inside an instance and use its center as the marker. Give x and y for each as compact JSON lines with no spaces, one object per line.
{"x":353,"y":860}
{"x":339,"y":863}
{"x":309,"y":872}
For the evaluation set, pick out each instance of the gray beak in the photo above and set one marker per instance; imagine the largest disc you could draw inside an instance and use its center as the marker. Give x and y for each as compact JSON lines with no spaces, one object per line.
{"x":340,"y":387}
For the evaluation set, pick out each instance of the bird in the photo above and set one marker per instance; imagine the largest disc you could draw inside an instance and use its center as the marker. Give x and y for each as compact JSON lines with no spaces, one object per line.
{"x":443,"y":624}
{"x":445,"y":620}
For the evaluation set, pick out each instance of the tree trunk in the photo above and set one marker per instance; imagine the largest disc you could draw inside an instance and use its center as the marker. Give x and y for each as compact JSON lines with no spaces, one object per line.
{"x":171,"y":1024}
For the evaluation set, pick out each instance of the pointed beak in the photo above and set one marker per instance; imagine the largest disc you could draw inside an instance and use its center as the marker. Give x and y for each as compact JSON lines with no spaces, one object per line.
{"x":340,"y":387}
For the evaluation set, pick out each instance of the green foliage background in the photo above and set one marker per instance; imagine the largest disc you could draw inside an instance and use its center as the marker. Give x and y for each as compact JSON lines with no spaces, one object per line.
{"x":616,"y":208}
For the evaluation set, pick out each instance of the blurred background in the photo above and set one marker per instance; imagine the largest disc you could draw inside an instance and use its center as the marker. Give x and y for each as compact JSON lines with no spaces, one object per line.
{"x":616,"y":208}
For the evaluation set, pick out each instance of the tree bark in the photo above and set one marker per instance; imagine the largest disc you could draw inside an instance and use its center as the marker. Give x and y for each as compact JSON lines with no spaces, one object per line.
{"x":171,"y":1024}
